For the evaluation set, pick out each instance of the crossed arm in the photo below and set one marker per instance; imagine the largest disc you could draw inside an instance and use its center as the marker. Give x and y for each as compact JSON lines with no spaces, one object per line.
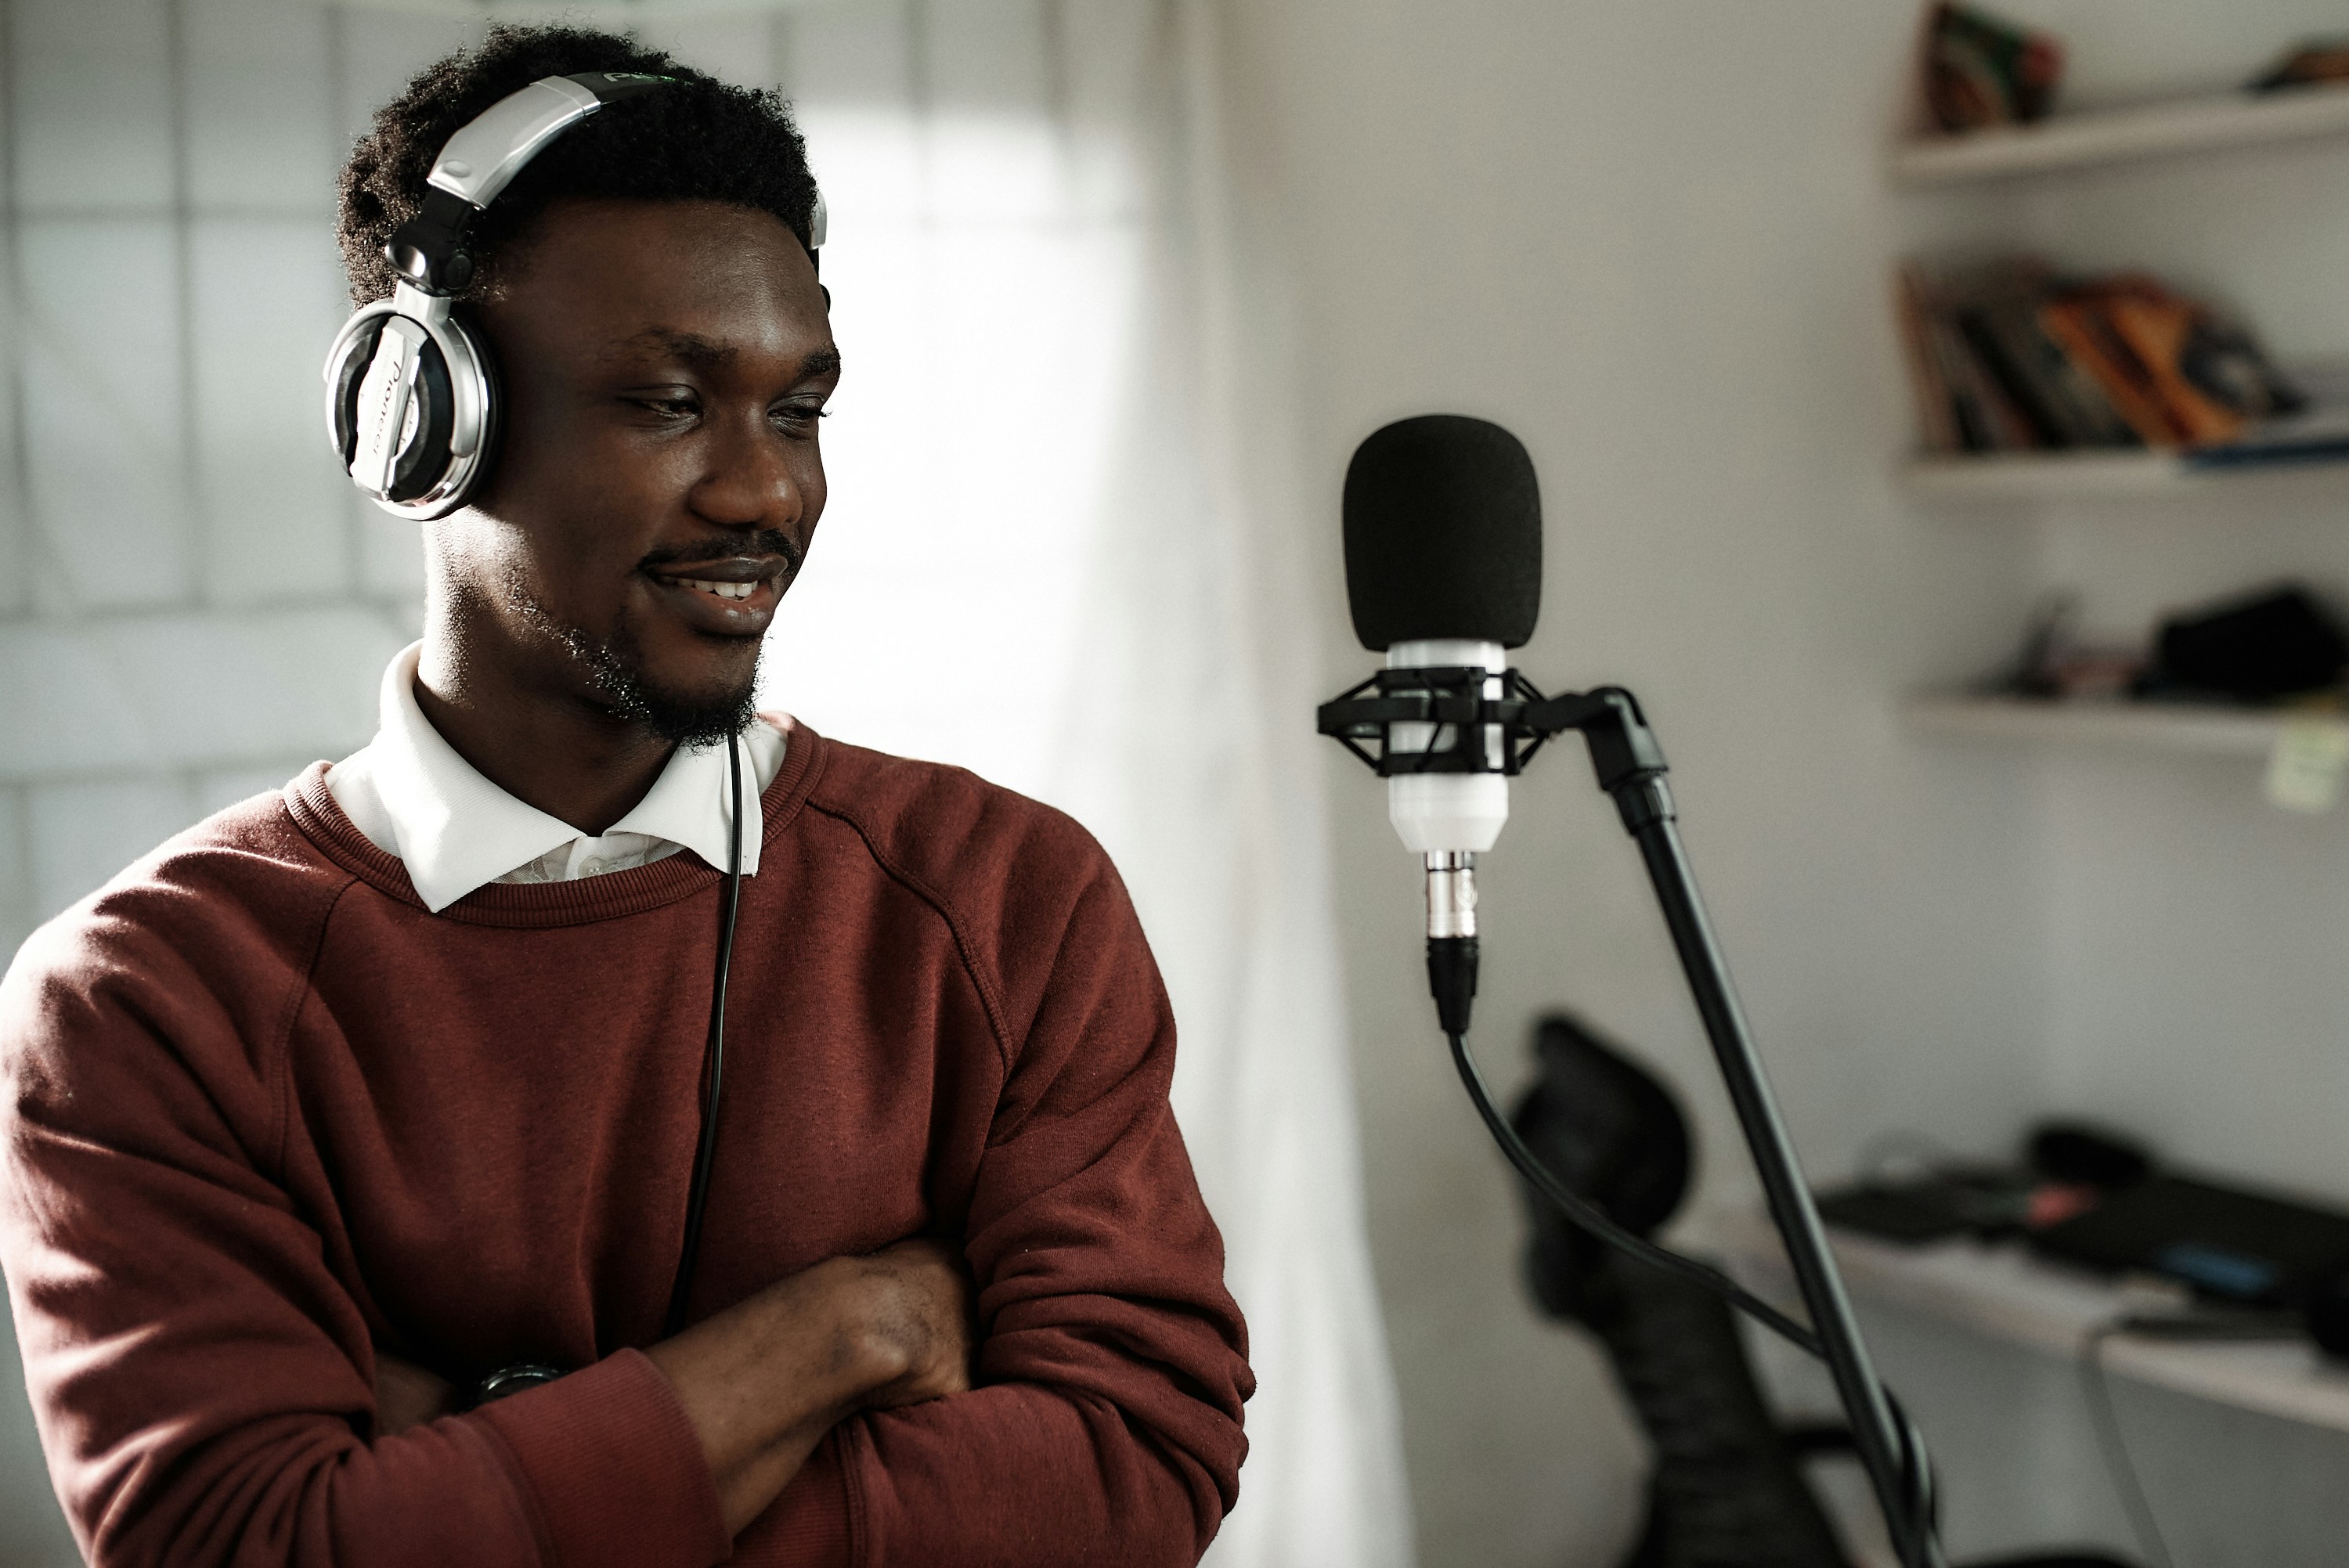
{"x":763,"y":1381}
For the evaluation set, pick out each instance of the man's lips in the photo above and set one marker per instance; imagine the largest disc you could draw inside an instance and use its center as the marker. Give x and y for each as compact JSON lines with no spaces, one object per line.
{"x":735,"y":596}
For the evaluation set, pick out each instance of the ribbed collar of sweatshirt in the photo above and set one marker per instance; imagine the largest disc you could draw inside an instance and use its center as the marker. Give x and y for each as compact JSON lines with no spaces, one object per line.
{"x":413,"y":796}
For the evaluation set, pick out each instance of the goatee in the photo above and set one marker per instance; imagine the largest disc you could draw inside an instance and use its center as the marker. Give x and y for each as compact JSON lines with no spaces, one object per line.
{"x":614,"y":666}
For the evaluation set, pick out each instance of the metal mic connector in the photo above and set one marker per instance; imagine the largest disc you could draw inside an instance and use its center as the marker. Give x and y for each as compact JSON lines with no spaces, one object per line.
{"x":1451,"y":893}
{"x":1452,"y":936}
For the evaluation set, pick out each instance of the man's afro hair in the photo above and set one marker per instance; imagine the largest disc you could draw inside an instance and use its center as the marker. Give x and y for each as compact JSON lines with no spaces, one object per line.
{"x":698,"y":139}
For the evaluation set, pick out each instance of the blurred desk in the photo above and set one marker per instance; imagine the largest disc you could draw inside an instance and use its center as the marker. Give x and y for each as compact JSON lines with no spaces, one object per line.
{"x":2003,"y":1292}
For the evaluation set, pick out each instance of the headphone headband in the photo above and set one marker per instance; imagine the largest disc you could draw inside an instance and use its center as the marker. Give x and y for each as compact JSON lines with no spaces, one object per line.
{"x":481,"y":159}
{"x":485,"y":154}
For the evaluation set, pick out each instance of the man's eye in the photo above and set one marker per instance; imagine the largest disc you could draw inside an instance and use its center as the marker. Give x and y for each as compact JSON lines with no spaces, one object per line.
{"x":668,"y":408}
{"x":798,"y":417}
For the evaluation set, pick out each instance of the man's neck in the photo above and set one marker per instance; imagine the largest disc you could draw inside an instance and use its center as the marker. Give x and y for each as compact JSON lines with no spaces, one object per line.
{"x":546,"y":748}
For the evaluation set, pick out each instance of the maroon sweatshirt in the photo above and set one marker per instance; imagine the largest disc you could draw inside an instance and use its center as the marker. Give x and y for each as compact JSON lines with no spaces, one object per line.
{"x":264,"y":1114}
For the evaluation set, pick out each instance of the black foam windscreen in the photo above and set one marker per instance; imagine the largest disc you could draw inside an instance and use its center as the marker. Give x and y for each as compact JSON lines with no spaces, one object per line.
{"x":1443,"y":533}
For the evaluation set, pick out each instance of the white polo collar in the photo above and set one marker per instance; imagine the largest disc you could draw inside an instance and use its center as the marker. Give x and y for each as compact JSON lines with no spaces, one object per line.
{"x":456,"y":831}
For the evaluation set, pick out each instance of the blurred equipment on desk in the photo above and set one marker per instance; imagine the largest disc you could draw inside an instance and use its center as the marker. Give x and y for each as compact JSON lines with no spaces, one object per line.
{"x":1727,"y":1485}
{"x":2327,"y":1314}
{"x":2083,"y":1196}
{"x":2067,"y":1169}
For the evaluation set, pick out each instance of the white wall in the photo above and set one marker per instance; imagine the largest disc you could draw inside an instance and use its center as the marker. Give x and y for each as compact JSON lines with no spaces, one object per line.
{"x":1654,"y":241}
{"x":173,"y":541}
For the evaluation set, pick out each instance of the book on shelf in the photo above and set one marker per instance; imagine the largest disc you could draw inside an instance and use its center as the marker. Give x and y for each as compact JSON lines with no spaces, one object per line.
{"x":2320,"y":62}
{"x":1978,"y":69}
{"x":1937,"y":416}
{"x":2318,"y":433}
{"x":2011,"y":356}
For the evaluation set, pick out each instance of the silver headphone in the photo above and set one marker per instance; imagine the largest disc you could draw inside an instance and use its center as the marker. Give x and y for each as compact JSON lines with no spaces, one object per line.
{"x":412,"y":404}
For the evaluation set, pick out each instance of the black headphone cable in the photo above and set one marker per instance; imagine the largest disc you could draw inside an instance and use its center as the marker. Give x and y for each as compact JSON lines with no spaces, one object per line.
{"x":713,"y":1068}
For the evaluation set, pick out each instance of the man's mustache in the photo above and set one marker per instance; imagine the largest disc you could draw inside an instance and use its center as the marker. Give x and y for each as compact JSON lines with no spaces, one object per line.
{"x":765,"y":541}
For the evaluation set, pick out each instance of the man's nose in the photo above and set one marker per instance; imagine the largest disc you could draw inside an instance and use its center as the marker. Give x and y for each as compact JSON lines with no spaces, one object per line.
{"x":749,"y":482}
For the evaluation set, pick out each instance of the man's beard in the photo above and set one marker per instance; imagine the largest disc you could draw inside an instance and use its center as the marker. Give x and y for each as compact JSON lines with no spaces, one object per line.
{"x":615,"y":667}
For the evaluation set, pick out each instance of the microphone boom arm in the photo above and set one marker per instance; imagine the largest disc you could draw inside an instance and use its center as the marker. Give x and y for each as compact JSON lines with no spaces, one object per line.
{"x":1629,"y":766}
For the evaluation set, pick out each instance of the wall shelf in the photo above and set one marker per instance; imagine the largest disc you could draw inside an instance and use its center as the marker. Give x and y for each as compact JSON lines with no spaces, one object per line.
{"x":2006,"y":1293}
{"x":2123,"y":135}
{"x":2010,"y":477}
{"x":2159,"y":727}
{"x":2047,"y":476}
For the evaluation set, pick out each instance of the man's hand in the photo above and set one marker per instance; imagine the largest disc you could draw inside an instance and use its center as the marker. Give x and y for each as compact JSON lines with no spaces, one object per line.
{"x":406,"y":1396}
{"x":921,"y":1302}
{"x":764,"y":1381}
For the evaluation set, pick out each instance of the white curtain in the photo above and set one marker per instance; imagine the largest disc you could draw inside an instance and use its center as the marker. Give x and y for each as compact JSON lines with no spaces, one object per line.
{"x":1058,"y":551}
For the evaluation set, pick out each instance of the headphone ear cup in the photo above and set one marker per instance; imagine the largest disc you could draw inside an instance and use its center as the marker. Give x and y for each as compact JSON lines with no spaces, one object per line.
{"x":454,"y":414}
{"x":491,"y":401}
{"x":424,"y":452}
{"x":424,"y":457}
{"x":343,"y":374}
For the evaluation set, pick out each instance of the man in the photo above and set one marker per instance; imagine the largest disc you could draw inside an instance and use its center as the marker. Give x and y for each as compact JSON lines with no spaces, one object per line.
{"x":353,"y":1096}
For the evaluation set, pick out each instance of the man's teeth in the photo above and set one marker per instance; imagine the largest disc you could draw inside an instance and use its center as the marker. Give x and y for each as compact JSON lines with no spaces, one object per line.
{"x":723,"y":590}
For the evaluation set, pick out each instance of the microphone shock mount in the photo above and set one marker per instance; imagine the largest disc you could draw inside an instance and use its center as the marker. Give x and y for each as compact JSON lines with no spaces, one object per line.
{"x":1452,"y":724}
{"x":1447,"y":720}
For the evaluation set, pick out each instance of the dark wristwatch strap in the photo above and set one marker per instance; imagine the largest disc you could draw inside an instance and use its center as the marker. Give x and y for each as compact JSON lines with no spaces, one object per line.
{"x":508,"y":1380}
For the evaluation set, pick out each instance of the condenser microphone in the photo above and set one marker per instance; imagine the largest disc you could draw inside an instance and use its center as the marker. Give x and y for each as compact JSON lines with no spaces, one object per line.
{"x":1442,"y":529}
{"x":1443,"y":523}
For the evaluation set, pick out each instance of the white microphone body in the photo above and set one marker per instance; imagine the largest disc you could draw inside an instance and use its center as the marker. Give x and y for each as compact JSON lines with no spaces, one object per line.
{"x":1448,"y":817}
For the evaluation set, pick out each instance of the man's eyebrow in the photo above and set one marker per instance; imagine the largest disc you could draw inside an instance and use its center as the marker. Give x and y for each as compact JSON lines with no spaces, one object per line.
{"x":690,"y":347}
{"x":708,"y":352}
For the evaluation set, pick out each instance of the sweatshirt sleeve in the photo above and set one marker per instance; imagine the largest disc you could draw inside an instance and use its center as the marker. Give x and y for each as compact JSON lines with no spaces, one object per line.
{"x":204,"y":1385}
{"x":1105,"y":1424}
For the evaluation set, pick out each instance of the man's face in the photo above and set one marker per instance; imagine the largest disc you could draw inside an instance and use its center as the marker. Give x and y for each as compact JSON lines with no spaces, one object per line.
{"x":664,"y":364}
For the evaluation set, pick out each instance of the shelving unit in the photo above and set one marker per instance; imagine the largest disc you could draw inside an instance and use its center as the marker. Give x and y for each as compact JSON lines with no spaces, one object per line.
{"x":2011,"y":476}
{"x":2089,"y":140}
{"x":2032,"y":187}
{"x":2004,"y":1293}
{"x":2154,"y":726}
{"x":2123,"y":135}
